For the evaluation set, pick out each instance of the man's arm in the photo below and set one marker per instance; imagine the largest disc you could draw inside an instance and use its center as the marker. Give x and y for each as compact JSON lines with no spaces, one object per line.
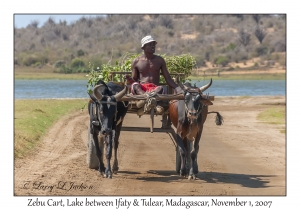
{"x":135,"y":72}
{"x":168,"y":78}
{"x":166,"y":74}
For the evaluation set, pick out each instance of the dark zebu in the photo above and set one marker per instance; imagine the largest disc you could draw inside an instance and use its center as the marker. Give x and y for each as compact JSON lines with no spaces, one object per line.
{"x":106,"y":117}
{"x":188,"y":116}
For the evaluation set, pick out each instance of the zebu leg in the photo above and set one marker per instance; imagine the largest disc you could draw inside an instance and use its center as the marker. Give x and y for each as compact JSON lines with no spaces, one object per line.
{"x":182,"y":151}
{"x":98,"y":151}
{"x":109,"y":146}
{"x":194,"y":145}
{"x":116,"y":144}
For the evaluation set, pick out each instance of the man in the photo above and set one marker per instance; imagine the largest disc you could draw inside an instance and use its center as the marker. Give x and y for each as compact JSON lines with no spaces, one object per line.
{"x":146,"y":71}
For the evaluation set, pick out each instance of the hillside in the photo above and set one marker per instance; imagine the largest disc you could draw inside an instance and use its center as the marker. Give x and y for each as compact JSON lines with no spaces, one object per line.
{"x":218,"y":42}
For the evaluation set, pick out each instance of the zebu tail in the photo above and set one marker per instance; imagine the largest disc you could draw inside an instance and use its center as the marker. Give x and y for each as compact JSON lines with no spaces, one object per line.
{"x":219,"y":119}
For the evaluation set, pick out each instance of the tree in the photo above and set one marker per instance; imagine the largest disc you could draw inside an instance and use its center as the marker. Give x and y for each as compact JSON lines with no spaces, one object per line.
{"x":260,"y":33}
{"x":240,"y":16}
{"x":35,"y":23}
{"x":166,"y":21}
{"x":244,"y":37}
{"x":256,"y":18}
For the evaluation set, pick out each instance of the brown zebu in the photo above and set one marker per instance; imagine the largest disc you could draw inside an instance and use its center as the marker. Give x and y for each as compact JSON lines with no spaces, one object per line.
{"x":188,"y":116}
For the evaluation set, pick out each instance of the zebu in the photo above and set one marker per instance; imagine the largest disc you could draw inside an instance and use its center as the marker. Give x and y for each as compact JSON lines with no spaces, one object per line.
{"x":106,"y":117}
{"x":188,"y":116}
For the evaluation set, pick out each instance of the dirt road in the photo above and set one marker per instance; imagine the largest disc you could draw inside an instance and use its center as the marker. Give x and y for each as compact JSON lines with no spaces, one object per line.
{"x":241,"y":157}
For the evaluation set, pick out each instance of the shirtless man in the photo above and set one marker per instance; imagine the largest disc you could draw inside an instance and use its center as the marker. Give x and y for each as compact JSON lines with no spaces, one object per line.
{"x":146,"y":70}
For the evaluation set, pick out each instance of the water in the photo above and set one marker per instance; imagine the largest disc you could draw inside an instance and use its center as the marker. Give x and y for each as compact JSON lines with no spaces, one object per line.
{"x":245,"y":87}
{"x":36,"y":89}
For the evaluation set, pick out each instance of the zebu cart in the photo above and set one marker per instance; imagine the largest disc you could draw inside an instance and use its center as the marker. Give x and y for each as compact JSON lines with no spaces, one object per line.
{"x":148,"y":102}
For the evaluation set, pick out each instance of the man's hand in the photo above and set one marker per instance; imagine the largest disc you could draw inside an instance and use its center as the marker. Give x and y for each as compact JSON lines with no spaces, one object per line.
{"x":128,"y":79}
{"x":178,"y":90}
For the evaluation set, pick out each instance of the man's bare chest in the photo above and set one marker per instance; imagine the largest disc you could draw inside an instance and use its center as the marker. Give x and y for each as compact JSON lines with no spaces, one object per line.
{"x":148,"y":65}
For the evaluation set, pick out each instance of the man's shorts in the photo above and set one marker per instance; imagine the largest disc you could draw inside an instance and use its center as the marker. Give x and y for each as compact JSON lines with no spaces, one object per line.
{"x":147,"y":87}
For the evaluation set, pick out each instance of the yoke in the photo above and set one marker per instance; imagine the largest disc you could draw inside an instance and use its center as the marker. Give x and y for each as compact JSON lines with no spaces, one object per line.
{"x":136,"y":102}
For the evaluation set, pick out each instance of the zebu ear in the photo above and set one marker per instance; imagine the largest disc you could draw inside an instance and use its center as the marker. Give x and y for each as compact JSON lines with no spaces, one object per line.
{"x":206,"y":102}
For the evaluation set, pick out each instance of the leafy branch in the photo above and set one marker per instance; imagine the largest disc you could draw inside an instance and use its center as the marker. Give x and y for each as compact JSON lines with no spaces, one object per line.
{"x":175,"y":64}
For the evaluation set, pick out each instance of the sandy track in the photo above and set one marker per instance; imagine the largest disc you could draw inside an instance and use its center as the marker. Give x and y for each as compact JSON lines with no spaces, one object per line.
{"x":241,"y":157}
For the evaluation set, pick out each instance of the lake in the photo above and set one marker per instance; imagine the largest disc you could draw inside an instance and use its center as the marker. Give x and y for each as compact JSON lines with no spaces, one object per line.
{"x":36,"y":89}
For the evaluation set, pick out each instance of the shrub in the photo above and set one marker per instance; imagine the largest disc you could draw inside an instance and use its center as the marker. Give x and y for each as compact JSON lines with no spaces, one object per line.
{"x":271,"y":63}
{"x":66,"y":70}
{"x":231,"y":46}
{"x":261,"y":50}
{"x":280,"y":46}
{"x":77,"y":63}
{"x":29,"y":60}
{"x":200,"y":61}
{"x":166,"y":21}
{"x":80,"y":53}
{"x":58,"y":64}
{"x":37,"y":64}
{"x":221,"y":60}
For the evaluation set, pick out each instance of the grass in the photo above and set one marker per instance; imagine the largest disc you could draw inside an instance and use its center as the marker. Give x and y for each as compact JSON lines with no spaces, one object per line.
{"x":33,"y":118}
{"x":46,"y":72}
{"x":77,"y":76}
{"x":274,"y":115}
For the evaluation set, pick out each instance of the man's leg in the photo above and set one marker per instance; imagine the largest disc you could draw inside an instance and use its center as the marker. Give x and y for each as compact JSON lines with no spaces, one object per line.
{"x":159,"y":89}
{"x":138,"y":89}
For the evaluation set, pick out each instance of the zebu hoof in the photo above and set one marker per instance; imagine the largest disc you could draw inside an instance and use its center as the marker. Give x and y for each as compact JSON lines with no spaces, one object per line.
{"x":109,"y":175}
{"x":115,"y":170}
{"x":183,"y":173}
{"x":192,"y":177}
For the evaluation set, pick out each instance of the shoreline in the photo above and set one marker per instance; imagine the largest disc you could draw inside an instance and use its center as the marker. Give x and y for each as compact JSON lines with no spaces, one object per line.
{"x":214,"y":76}
{"x":216,"y":97}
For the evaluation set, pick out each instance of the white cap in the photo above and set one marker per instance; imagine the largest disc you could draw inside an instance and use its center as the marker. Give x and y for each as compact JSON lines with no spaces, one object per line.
{"x":146,"y":40}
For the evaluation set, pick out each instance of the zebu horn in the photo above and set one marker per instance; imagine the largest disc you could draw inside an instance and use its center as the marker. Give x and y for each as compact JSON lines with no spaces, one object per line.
{"x":203,"y":88}
{"x":180,"y":84}
{"x":120,"y":94}
{"x":97,"y":93}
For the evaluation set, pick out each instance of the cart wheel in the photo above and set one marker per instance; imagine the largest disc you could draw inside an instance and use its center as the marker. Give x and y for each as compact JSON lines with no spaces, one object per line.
{"x":91,"y":158}
{"x":152,"y":119}
{"x":178,"y":160}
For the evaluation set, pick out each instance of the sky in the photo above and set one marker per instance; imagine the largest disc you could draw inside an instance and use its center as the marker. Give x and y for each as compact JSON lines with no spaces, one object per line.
{"x":22,"y":20}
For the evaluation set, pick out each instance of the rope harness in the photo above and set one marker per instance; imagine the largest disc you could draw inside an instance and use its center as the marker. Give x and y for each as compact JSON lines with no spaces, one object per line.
{"x":98,"y":111}
{"x":150,"y":101}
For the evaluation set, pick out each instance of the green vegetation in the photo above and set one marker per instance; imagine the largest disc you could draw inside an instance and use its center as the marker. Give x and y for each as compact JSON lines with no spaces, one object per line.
{"x":21,"y":72}
{"x":241,"y":77}
{"x":33,"y":118}
{"x":176,"y":64}
{"x":274,"y":115}
{"x":221,"y":60}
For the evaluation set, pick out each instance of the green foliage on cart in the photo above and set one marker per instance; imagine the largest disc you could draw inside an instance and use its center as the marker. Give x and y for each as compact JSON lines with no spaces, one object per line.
{"x":181,"y":64}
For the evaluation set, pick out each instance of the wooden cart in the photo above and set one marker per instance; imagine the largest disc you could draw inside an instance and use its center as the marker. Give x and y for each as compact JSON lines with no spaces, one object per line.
{"x":134,"y":106}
